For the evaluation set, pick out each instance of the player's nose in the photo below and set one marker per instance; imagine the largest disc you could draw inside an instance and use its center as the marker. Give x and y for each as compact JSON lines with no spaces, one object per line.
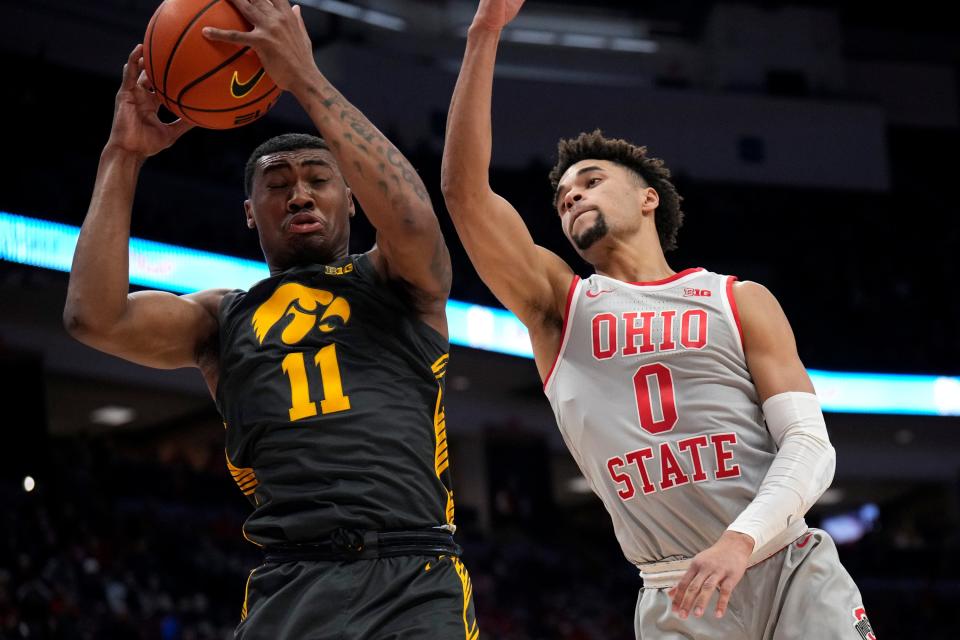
{"x":300,"y":198}
{"x":570,"y":198}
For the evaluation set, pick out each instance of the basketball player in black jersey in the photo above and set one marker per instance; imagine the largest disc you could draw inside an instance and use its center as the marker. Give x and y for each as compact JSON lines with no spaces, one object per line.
{"x":329,"y":374}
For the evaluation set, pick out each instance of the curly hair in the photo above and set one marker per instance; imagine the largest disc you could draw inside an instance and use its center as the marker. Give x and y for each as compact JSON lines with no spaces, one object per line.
{"x":276,"y":144}
{"x":669,"y":217}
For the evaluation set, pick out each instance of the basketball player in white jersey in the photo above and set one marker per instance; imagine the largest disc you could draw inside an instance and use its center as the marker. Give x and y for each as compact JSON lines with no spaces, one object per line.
{"x":680,"y":395}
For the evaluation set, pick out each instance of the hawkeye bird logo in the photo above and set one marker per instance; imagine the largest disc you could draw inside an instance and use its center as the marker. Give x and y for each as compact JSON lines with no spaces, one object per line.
{"x":240,"y":89}
{"x":303,"y":305}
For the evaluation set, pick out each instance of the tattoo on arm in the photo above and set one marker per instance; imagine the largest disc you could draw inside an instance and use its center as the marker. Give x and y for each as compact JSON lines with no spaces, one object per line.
{"x":407,"y":172}
{"x":364,"y":138}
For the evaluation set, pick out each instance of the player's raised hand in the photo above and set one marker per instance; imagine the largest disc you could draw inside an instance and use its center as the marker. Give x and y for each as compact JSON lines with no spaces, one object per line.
{"x":718,"y":568}
{"x":278,"y":36}
{"x":496,"y":14}
{"x":136,"y":128}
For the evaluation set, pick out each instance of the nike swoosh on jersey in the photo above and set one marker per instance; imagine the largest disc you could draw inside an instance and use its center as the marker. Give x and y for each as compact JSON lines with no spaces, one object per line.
{"x":594,"y":294}
{"x":240,"y":89}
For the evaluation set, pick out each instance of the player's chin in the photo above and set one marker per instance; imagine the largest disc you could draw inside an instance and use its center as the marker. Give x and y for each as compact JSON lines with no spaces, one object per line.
{"x":591,"y":235}
{"x":589,"y":238}
{"x":311,"y":248}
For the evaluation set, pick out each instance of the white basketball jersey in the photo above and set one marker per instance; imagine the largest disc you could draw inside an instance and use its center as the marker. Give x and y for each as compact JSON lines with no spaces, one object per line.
{"x":653,"y":397}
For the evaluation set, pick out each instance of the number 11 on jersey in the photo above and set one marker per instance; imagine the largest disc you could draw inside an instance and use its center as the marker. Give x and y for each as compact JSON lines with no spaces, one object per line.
{"x":294,"y":366}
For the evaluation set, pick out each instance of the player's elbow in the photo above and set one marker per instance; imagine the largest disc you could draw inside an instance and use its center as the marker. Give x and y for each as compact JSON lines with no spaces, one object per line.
{"x":828,"y":467}
{"x":456,"y":186}
{"x":78,"y":325}
{"x":83,"y":323}
{"x":822,"y":476}
{"x":462,"y":199}
{"x":449,"y":187}
{"x":73,"y":318}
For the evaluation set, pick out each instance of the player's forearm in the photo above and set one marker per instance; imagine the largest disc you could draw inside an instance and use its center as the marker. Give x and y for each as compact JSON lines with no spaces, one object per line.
{"x":469,"y":139}
{"x":386,"y":184}
{"x":799,"y":474}
{"x":99,"y":277}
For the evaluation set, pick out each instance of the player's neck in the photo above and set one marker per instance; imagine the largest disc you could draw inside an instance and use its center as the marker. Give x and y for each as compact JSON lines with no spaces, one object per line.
{"x":631,"y":263}
{"x":306,"y":259}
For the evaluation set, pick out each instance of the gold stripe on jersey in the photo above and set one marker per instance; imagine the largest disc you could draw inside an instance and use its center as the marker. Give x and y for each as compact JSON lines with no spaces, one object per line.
{"x":470,"y":628}
{"x":245,"y":478}
{"x":441,"y":458}
{"x":246,"y":597}
{"x":440,"y":366}
{"x":441,"y":455}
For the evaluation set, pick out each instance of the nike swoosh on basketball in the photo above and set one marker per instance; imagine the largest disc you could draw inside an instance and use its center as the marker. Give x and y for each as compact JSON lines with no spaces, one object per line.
{"x":594,"y":294}
{"x":240,"y":89}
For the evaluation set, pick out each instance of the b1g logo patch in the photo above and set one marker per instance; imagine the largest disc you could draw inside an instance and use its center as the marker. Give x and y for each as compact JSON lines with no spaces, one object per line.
{"x":862,"y":625}
{"x":339,"y":271}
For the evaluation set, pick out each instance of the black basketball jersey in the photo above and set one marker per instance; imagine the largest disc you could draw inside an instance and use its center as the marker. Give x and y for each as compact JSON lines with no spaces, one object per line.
{"x":331,"y":390}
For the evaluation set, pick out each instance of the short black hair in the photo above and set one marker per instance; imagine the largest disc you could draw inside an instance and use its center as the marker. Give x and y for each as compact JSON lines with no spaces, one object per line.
{"x":669,"y":217}
{"x":283,"y":142}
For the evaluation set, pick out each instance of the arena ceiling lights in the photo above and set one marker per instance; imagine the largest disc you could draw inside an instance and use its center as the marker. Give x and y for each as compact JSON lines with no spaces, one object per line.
{"x":369,"y":16}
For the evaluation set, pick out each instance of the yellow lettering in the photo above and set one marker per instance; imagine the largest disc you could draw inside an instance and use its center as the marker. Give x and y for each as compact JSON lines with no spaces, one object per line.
{"x":294,"y":366}
{"x":333,"y":398}
{"x":296,"y":370}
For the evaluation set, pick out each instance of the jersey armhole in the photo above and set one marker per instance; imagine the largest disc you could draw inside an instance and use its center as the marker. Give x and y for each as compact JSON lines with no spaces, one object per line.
{"x":224,"y":328}
{"x":565,"y":332}
{"x":733,"y":315}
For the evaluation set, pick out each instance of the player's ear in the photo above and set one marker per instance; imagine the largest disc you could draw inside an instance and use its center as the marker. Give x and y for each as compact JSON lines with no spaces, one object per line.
{"x":248,"y":211}
{"x":650,"y":199}
{"x":351,"y":204}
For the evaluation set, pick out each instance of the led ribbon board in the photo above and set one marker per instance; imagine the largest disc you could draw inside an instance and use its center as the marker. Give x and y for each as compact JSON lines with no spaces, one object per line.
{"x":50,"y":245}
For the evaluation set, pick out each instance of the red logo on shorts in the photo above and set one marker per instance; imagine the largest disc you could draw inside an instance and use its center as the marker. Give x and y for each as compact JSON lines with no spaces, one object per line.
{"x":862,"y":624}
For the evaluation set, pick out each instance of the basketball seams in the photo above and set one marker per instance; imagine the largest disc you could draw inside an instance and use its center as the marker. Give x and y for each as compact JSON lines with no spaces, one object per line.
{"x":225,"y":110}
{"x":148,"y":51}
{"x":179,"y":113}
{"x":183,"y":34}
{"x":182,"y":113}
{"x":186,"y":72}
{"x":211,"y":72}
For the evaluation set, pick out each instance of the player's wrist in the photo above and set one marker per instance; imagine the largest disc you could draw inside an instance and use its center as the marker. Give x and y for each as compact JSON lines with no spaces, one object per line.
{"x":115,"y":152}
{"x":306,"y":83}
{"x":478,"y":28}
{"x":741,"y":543}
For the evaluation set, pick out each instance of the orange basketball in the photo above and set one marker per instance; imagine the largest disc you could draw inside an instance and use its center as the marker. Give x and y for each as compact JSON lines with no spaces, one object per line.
{"x":216,"y":85}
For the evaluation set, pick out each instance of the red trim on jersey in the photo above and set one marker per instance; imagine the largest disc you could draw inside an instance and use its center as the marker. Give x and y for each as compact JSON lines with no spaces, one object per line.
{"x":733,"y":308}
{"x":675,"y":276}
{"x":563,"y":332}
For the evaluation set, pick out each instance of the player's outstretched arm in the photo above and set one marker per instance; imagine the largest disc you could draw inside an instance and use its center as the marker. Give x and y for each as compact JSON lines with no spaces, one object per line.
{"x":799,"y":474}
{"x":150,"y":327}
{"x":387,"y":186}
{"x":527,"y":279}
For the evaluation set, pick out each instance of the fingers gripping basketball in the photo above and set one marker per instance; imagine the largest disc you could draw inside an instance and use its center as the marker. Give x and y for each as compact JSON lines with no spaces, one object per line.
{"x":217,"y":85}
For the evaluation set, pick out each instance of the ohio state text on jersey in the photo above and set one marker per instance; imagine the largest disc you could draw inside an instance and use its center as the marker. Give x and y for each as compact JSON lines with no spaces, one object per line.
{"x":653,"y":397}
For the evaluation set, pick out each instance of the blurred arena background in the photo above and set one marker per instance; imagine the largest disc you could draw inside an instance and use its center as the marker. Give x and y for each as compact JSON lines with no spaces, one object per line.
{"x":815,"y":143}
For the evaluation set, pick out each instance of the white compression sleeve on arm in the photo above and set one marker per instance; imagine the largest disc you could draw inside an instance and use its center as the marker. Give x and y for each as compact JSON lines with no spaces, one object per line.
{"x":799,"y":474}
